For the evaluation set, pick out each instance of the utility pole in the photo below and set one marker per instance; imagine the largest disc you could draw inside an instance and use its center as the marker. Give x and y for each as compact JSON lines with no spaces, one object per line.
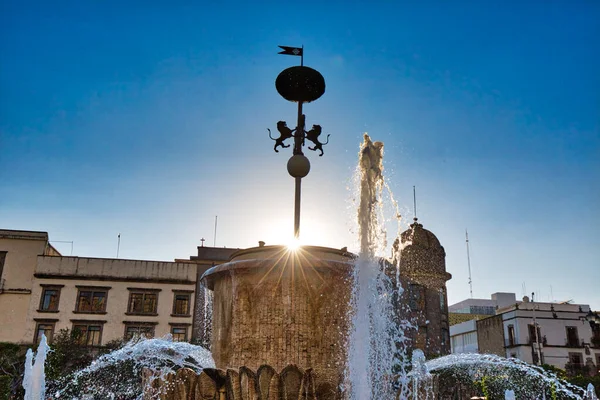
{"x":535,"y":328}
{"x":469,"y":263}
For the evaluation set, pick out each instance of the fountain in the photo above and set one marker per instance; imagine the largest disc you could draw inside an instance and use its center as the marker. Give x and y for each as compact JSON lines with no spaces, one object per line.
{"x":34,"y":380}
{"x":313,"y":322}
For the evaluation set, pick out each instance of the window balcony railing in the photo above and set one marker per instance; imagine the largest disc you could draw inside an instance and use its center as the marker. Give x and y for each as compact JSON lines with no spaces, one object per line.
{"x":574,"y":343}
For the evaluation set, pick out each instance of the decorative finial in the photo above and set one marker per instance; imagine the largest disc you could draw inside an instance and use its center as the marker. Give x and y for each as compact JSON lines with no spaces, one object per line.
{"x":299,"y":84}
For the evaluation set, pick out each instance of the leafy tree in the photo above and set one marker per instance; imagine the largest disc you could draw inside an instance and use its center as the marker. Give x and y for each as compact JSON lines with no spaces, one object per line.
{"x":12,"y":365}
{"x":67,"y":354}
{"x":583,"y":381}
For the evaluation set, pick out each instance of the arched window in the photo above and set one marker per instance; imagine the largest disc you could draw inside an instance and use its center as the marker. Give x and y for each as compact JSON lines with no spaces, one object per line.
{"x":442,"y":299}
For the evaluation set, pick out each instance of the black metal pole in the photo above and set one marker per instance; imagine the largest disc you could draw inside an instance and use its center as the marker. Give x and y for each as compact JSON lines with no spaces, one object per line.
{"x":298,"y":137}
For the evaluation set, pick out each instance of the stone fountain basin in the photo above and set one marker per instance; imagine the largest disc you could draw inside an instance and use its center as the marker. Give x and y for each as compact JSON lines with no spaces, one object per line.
{"x":279,"y":307}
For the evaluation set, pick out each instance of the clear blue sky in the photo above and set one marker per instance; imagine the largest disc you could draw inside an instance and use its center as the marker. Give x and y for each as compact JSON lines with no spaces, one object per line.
{"x":149,"y":118}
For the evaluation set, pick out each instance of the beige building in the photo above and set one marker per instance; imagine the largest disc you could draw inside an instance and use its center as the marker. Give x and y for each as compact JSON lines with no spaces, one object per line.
{"x":105,"y":299}
{"x":18,"y":259}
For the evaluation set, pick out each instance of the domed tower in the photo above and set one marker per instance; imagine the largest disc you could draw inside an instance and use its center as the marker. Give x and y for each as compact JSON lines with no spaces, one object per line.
{"x":424,"y":301}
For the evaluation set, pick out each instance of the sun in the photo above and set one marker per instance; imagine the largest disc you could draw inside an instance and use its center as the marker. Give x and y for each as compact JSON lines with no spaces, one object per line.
{"x":293,"y":244}
{"x":280,"y":232}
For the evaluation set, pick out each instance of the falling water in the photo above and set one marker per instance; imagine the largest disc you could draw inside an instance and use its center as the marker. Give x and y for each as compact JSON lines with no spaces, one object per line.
{"x":34,"y":380}
{"x":208,"y":309}
{"x":590,"y":392}
{"x":117,"y":375}
{"x":377,"y":359}
{"x":512,"y":375}
{"x":374,"y":335}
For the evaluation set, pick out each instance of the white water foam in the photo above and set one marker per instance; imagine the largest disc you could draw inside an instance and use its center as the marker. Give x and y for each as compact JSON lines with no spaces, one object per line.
{"x":375,"y":336}
{"x":34,"y":380}
{"x":117,"y":375}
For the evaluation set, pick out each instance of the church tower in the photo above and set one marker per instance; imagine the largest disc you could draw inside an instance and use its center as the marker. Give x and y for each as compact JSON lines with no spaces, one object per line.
{"x":424,"y":301}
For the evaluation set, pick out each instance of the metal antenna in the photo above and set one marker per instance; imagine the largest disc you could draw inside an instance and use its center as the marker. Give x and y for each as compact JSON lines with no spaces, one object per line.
{"x":215,"y":237}
{"x":415,"y":202}
{"x":63,"y":241}
{"x":118,"y":244}
{"x":469,"y":263}
{"x":535,"y":327}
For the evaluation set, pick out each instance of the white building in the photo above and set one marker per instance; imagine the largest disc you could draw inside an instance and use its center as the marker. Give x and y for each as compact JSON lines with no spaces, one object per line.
{"x":463,"y":337}
{"x":567,"y":336}
{"x":484,"y":306}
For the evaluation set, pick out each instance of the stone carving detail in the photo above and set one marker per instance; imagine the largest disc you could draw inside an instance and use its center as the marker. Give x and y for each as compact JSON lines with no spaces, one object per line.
{"x":214,"y":384}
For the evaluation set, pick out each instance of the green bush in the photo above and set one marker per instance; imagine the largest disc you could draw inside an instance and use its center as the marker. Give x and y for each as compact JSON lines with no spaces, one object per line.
{"x":5,"y":384}
{"x":583,"y":381}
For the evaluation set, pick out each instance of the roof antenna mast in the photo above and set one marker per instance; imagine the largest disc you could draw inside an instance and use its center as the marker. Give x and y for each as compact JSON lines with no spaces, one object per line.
{"x":215,"y":237}
{"x":415,"y":202}
{"x":469,"y":263}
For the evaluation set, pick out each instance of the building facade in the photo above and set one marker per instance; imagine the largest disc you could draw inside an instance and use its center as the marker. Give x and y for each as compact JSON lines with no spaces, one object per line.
{"x":18,"y":259}
{"x":103,"y":299}
{"x":109,"y":299}
{"x":564,"y":335}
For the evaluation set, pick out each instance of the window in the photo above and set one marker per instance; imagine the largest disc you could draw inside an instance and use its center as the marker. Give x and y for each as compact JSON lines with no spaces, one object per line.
{"x":455,"y":343}
{"x":49,"y":299}
{"x":2,"y":259}
{"x":572,"y":336}
{"x":511,"y":335}
{"x":444,"y":338}
{"x":91,"y":300}
{"x":179,"y":333}
{"x":143,"y":301}
{"x":181,"y":304}
{"x":483,"y":310}
{"x":44,"y":328}
{"x":416,"y":300}
{"x":576,"y":359}
{"x":442,"y":300}
{"x":88,"y":333}
{"x":532,"y":334}
{"x":470,"y":338}
{"x":145,"y":329}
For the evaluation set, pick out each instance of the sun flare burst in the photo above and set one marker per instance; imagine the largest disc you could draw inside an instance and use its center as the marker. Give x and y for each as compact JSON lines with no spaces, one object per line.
{"x":293,"y":244}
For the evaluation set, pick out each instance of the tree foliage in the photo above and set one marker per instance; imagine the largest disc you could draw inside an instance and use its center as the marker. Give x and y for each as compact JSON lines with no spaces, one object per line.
{"x":67,"y":354}
{"x":12,"y":365}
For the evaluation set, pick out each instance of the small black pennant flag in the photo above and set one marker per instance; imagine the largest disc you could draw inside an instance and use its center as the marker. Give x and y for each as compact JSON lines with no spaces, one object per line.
{"x":291,"y":51}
